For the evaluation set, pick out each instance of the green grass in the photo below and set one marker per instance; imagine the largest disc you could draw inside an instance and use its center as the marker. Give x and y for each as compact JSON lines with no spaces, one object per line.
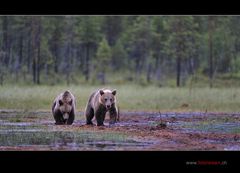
{"x":130,"y":97}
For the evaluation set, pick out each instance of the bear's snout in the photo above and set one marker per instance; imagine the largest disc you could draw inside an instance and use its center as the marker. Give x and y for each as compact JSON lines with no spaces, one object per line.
{"x":108,"y":106}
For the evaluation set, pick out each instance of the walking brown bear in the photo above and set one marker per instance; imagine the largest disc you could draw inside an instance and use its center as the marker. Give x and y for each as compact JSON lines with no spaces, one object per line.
{"x":99,"y":103}
{"x":63,"y":108}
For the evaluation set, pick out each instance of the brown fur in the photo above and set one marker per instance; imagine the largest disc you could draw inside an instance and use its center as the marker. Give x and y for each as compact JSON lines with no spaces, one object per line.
{"x":63,"y":108}
{"x":99,"y":103}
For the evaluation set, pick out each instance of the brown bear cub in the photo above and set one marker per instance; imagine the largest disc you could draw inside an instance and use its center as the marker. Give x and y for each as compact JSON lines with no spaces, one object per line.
{"x":99,"y":103}
{"x":63,"y":108}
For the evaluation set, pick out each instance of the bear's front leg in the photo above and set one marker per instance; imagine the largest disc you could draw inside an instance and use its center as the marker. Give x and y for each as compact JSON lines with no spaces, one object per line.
{"x":59,"y":123}
{"x":100,"y":116}
{"x":113,"y":116}
{"x":100,"y":119}
{"x":58,"y":117}
{"x":71,"y":118}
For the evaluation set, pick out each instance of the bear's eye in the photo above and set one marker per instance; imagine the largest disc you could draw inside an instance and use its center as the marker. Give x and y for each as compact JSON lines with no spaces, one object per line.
{"x":105,"y":99}
{"x":111,"y":100}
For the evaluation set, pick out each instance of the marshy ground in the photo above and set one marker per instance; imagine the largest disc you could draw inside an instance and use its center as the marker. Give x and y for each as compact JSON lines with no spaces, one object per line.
{"x":190,"y":119}
{"x":26,"y":130}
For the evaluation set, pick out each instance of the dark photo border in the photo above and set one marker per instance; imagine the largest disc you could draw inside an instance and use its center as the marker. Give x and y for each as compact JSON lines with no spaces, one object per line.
{"x":112,"y":161}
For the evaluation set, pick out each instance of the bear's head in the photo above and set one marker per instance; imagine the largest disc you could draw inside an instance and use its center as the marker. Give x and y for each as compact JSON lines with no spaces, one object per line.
{"x":108,"y":98}
{"x":65,"y":105}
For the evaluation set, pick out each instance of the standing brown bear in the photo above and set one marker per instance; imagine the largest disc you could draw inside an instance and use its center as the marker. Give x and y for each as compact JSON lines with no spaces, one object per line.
{"x":99,"y":103}
{"x":63,"y":108}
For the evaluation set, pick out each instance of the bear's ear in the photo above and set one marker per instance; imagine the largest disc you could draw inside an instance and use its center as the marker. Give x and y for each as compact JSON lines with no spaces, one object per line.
{"x":70,"y":102}
{"x":101,"y":92}
{"x":60,"y":102}
{"x":114,"y":92}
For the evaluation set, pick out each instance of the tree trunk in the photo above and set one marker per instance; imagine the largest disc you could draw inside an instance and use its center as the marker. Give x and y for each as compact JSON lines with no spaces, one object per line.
{"x":5,"y":46}
{"x":1,"y":79}
{"x":210,"y":22}
{"x":179,"y":50}
{"x":102,"y":77}
{"x":178,"y":70}
{"x":1,"y":70}
{"x":20,"y":51}
{"x":34,"y":48}
{"x":67,"y":66}
{"x":87,"y":61}
{"x":34,"y":70}
{"x":29,"y":53}
{"x":149,"y":70}
{"x":190,"y":65}
{"x":137,"y":69}
{"x":56,"y":57}
{"x":19,"y":60}
{"x":157,"y":68}
{"x":38,"y":54}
